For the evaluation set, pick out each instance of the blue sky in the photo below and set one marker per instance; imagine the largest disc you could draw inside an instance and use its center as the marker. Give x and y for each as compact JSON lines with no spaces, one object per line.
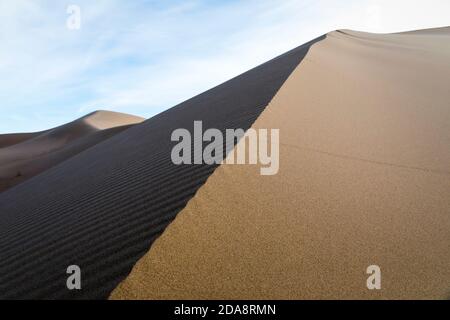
{"x":142,"y":56}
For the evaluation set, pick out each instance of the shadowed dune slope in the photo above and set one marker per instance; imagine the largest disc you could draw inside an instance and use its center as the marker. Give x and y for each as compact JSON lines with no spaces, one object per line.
{"x":29,"y":154}
{"x":103,"y":208}
{"x":364,"y":180}
{"x":9,"y":139}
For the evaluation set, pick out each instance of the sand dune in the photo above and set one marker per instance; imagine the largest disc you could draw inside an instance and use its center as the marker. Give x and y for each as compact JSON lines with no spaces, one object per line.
{"x":9,"y":139}
{"x":25,"y":155}
{"x":103,"y":208}
{"x":364,"y":179}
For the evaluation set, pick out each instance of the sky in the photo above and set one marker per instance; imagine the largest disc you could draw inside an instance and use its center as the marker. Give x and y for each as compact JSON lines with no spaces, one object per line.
{"x":143,"y":57}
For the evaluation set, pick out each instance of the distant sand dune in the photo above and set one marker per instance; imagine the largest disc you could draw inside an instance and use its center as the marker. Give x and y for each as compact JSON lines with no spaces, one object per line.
{"x":9,"y":139}
{"x":25,"y":155}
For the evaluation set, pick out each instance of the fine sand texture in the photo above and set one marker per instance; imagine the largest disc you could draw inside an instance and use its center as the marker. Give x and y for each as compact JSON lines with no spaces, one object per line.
{"x":364,"y":180}
{"x":23,"y":156}
{"x":103,"y":208}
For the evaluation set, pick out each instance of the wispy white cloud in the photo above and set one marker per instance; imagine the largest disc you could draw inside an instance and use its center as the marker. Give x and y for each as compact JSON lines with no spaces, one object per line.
{"x":145,"y":56}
